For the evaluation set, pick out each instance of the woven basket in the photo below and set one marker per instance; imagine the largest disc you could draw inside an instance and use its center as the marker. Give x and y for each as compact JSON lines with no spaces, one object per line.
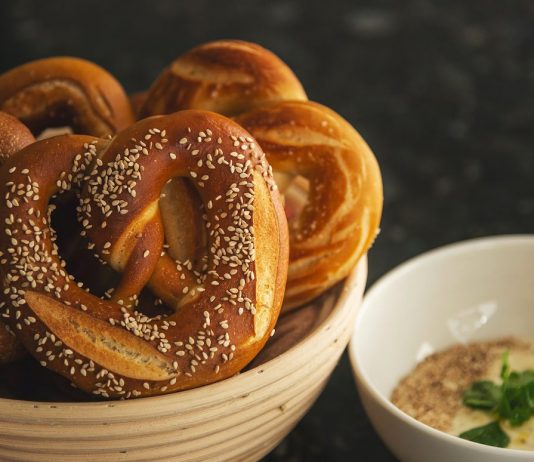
{"x":238,"y":419}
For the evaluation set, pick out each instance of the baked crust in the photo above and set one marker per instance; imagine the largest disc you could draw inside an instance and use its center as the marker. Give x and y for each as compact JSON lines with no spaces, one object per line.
{"x":107,"y":347}
{"x":341,"y":216}
{"x":63,"y":91}
{"x":225,"y":76}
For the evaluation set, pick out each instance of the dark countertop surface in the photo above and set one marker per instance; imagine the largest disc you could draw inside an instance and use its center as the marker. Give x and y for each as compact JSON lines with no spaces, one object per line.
{"x":441,"y":90}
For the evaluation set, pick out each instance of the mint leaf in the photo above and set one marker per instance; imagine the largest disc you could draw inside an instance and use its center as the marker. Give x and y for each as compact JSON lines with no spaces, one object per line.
{"x":491,"y":435}
{"x":483,"y":395}
{"x":529,"y":394}
{"x":517,"y":398}
{"x":505,"y":367}
{"x":519,"y":379}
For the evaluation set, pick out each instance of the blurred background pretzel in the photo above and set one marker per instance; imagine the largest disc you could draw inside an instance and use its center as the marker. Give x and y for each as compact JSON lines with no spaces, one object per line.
{"x":64,"y":91}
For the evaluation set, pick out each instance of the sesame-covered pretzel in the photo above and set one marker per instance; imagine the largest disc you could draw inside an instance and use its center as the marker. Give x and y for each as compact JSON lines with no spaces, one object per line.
{"x":307,"y":144}
{"x":65,"y":91}
{"x":222,"y":315}
{"x":14,"y":136}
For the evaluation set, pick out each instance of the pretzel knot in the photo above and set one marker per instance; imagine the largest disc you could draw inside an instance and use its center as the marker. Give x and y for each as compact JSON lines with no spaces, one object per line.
{"x":328,"y":174}
{"x":223,"y":310}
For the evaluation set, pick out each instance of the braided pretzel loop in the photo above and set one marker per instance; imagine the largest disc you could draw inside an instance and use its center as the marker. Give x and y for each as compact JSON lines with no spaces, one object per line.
{"x":318,"y":158}
{"x":223,"y":314}
{"x":65,"y":91}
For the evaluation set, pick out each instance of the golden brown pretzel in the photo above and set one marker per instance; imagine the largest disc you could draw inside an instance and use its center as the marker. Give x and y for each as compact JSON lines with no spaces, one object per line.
{"x":226,"y":76}
{"x":105,"y":347}
{"x":300,"y":139}
{"x":340,"y":219}
{"x":65,"y":91}
{"x":14,"y":136}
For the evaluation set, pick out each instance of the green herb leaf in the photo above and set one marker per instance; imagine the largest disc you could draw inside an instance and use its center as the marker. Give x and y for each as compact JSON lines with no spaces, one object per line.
{"x":513,"y":401}
{"x":491,"y":434}
{"x":517,"y":400}
{"x":483,"y":395}
{"x":520,"y":379}
{"x":505,"y":367}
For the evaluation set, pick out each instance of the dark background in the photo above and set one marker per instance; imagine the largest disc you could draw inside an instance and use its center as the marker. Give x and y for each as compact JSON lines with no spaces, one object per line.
{"x":441,"y":90}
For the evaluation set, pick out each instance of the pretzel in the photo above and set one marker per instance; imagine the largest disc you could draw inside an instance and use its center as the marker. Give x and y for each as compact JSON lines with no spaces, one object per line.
{"x":226,"y":76}
{"x":14,"y":136}
{"x":108,"y":347}
{"x":65,"y":91}
{"x":340,"y":219}
{"x":307,"y":144}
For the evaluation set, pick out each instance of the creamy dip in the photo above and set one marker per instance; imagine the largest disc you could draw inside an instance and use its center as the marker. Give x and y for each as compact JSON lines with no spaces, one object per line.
{"x":432,"y":393}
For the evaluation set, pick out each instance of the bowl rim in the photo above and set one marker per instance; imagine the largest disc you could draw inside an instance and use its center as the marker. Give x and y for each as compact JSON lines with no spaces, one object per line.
{"x":352,"y":286}
{"x":455,"y":248}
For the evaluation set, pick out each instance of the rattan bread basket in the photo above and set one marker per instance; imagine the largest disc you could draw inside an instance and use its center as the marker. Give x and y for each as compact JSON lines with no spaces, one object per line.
{"x":238,"y":419}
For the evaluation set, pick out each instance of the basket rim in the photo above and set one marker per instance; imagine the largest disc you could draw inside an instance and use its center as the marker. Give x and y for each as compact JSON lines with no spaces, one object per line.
{"x":253,"y":379}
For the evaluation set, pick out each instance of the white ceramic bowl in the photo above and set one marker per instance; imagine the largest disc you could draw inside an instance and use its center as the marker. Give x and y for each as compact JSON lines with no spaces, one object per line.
{"x":474,"y":290}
